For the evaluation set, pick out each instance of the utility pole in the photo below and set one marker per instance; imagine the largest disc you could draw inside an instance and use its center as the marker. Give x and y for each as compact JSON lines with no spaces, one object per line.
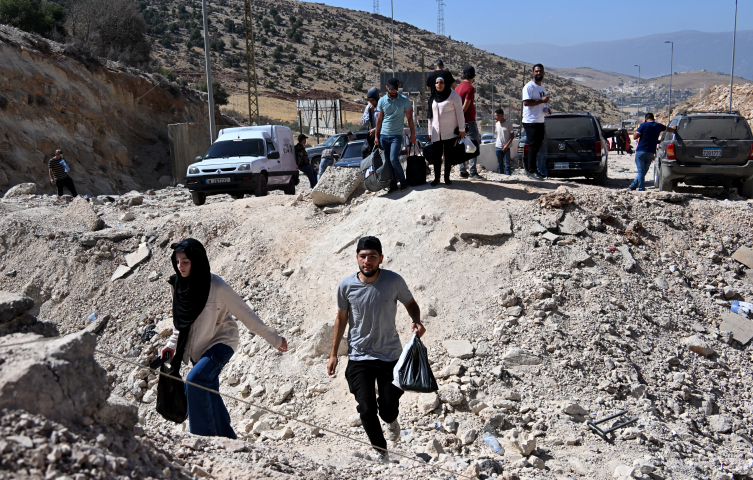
{"x":253,"y":93}
{"x":671,"y":74}
{"x":207,"y":58}
{"x":639,"y":87}
{"x":422,"y":89}
{"x":732,"y":76}
{"x":392,"y":24}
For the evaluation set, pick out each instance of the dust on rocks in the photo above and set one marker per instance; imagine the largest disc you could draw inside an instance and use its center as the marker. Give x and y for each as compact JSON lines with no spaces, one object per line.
{"x":529,"y":339}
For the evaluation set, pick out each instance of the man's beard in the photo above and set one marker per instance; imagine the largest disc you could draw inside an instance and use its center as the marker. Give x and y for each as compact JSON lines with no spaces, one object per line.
{"x":538,"y":78}
{"x":369,"y":275}
{"x":391,"y":95}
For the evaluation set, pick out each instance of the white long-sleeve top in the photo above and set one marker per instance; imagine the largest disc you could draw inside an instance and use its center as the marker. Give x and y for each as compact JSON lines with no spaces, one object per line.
{"x":214,"y":324}
{"x":447,"y":116}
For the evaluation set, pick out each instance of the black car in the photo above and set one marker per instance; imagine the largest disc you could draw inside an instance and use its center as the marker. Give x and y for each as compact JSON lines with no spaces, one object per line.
{"x":576,"y":147}
{"x":351,"y":156}
{"x":709,"y":149}
{"x":336,"y":142}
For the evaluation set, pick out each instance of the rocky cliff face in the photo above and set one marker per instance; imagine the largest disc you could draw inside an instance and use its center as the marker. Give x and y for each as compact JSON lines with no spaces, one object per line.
{"x":110,"y":122}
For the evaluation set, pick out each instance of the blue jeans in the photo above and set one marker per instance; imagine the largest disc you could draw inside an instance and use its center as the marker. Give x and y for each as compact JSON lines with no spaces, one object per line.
{"x":309,"y":171}
{"x":503,"y":161}
{"x":391,"y":144}
{"x":471,"y":129}
{"x":207,"y":414}
{"x":324,"y":164}
{"x":643,"y":163}
{"x":541,"y":160}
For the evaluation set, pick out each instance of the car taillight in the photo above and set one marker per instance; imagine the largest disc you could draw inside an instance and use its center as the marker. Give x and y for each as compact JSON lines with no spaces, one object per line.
{"x":671,"y":151}
{"x":750,"y":155}
{"x":597,"y":148}
{"x":525,"y":151}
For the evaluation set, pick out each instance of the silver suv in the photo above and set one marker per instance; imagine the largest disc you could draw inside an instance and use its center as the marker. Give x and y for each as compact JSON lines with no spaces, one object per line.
{"x":709,"y":149}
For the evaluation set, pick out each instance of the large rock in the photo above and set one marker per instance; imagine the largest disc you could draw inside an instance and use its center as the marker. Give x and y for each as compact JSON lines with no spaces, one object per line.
{"x":570,"y":226}
{"x":573,"y":409}
{"x":118,"y":413}
{"x":451,"y":394}
{"x":628,"y":262}
{"x":428,"y":402}
{"x":21,"y":189}
{"x":720,"y":423}
{"x":741,"y":327}
{"x":82,"y":212}
{"x":516,"y":357}
{"x":58,"y":379}
{"x":743,"y":255}
{"x":496,"y":225}
{"x":458,"y":348}
{"x":320,"y":342}
{"x":89,"y":239}
{"x":336,"y":186}
{"x":12,"y":305}
{"x":697,"y":345}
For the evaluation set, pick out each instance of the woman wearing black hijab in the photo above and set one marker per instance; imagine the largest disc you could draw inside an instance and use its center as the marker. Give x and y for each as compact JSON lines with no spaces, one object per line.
{"x":205,"y":334}
{"x":447,"y":120}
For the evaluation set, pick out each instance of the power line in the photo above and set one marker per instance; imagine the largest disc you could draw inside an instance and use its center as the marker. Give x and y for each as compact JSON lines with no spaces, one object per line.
{"x":440,"y":17}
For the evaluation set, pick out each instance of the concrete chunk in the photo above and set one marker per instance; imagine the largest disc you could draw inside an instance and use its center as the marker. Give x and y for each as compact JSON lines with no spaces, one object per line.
{"x":82,"y":212}
{"x":697,"y":345}
{"x":628,"y":262}
{"x":741,"y":327}
{"x":135,"y":258}
{"x":516,"y":357}
{"x":120,"y":272}
{"x":458,"y":348}
{"x":744,"y":255}
{"x":570,"y":226}
{"x":21,"y":189}
{"x":12,"y":305}
{"x":336,"y":186}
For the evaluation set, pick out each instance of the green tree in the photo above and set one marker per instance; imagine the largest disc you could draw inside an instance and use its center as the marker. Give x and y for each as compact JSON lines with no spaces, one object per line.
{"x":277,"y":54}
{"x":219,"y":94}
{"x":33,"y":16}
{"x":233,"y":42}
{"x":291,"y":57}
{"x":299,"y":70}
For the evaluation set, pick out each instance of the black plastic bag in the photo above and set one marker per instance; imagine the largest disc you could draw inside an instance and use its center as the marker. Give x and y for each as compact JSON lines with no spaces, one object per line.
{"x":414,"y":372}
{"x":172,"y":402}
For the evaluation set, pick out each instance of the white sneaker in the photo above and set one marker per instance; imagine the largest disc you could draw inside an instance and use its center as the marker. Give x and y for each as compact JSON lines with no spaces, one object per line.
{"x":393,"y":431}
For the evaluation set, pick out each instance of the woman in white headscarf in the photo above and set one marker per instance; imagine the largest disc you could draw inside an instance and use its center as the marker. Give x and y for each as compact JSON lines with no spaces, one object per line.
{"x":447,"y":124}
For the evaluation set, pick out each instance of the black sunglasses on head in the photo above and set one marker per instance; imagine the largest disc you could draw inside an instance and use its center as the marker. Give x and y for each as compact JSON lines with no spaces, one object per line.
{"x":183,"y":244}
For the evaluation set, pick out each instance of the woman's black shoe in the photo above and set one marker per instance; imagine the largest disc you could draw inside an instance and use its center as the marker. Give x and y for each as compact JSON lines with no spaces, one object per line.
{"x":447,"y":181}
{"x":435,"y":182}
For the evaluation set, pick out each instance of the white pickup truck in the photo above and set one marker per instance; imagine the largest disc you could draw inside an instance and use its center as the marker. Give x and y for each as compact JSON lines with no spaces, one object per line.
{"x":245,"y":160}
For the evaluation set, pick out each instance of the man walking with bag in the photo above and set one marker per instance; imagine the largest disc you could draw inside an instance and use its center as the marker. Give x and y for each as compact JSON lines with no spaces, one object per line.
{"x":535,"y":108}
{"x":391,"y":109}
{"x":367,"y":303}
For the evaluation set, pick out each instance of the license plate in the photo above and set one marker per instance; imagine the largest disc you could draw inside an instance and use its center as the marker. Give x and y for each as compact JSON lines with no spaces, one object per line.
{"x":218,"y":180}
{"x":561,"y":166}
{"x":712,"y":152}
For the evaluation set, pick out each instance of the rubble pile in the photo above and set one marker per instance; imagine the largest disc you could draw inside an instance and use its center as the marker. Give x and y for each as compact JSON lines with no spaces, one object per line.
{"x":547,"y":305}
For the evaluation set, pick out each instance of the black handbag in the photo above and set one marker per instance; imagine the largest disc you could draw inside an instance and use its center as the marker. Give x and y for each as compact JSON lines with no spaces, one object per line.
{"x":172,"y":402}
{"x":415,"y":171}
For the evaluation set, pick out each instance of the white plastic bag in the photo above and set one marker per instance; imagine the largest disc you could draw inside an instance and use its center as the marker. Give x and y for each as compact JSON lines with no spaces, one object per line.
{"x":469,"y":146}
{"x":400,"y":362}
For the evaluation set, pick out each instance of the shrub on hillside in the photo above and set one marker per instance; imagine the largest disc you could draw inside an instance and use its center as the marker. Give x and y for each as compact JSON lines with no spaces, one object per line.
{"x":219,"y":94}
{"x":34,"y":16}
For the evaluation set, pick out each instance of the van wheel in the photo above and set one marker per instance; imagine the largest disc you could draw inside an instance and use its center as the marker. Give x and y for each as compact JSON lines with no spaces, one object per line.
{"x":315,"y":162}
{"x":289,"y":189}
{"x":237,"y":196}
{"x":198,"y":198}
{"x":601,"y":179}
{"x":747,"y":189}
{"x":261,"y":189}
{"x":660,"y":183}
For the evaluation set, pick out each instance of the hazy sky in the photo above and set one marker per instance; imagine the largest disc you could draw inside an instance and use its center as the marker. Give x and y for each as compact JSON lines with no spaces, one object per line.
{"x":563,"y":22}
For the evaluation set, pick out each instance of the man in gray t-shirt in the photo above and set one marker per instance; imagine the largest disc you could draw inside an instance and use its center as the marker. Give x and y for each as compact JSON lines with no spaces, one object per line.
{"x":367,"y":303}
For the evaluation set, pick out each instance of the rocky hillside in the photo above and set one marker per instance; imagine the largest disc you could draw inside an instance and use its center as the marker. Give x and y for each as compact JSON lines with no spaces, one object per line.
{"x":304,"y":46}
{"x":716,"y":99}
{"x":547,"y":303}
{"x":110,"y":122}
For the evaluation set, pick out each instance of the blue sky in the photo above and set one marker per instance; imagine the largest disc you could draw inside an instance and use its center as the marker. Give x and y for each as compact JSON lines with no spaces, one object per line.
{"x":563,"y":22}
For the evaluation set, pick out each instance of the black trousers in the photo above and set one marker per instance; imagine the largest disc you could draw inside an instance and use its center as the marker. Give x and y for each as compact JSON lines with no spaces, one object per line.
{"x":535,"y":133}
{"x":437,"y":149}
{"x":361,"y":376}
{"x":66,"y":182}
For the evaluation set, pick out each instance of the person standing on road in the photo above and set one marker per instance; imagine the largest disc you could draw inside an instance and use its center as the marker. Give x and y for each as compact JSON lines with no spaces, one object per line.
{"x":327,"y":160}
{"x":648,"y":132}
{"x":447,"y":119}
{"x":58,"y":169}
{"x":467,"y":93}
{"x":302,"y":160}
{"x":431,"y":82}
{"x":535,"y":108}
{"x":205,"y":334}
{"x":391,"y":109}
{"x":503,"y":142}
{"x":367,"y":304}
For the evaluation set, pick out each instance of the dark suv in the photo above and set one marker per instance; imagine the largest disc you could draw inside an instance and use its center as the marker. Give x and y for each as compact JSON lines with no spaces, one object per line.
{"x":336,"y":142}
{"x":575,"y":145}
{"x":709,"y":149}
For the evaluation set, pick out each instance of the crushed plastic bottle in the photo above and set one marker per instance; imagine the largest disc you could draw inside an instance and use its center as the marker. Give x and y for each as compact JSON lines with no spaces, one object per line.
{"x":492,"y":442}
{"x":742,"y":308}
{"x":91,"y":318}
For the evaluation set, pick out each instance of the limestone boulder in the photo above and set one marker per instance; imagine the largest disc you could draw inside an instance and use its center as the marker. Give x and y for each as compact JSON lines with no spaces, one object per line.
{"x":21,"y":189}
{"x":320,"y":343}
{"x":336,"y":186}
{"x":83,"y":213}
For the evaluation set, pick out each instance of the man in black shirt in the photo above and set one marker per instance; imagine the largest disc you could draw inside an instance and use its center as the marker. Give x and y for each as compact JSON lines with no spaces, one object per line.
{"x":302,"y":160}
{"x":58,"y":174}
{"x":431,"y":81}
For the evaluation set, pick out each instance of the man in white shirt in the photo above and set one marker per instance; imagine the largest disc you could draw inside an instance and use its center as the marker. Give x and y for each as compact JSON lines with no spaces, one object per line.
{"x":535,"y":108}
{"x":504,"y":140}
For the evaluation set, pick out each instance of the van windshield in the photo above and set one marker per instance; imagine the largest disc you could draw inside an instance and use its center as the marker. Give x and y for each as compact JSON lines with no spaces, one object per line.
{"x":723,"y":128}
{"x":569,"y":127}
{"x":247,"y":147}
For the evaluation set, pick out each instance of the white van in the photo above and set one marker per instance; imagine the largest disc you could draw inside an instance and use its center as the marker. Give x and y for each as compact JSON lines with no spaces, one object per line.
{"x":245,"y":160}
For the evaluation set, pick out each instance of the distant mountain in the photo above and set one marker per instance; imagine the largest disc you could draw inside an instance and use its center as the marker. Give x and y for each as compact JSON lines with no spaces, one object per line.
{"x":693,"y":51}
